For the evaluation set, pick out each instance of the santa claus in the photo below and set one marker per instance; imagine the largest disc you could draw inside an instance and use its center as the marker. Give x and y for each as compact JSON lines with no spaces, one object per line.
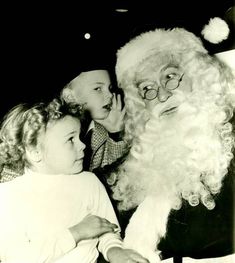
{"x":179,"y":102}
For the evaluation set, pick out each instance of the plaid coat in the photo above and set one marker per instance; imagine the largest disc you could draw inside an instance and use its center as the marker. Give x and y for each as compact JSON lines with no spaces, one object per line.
{"x":104,"y":149}
{"x":8,"y":174}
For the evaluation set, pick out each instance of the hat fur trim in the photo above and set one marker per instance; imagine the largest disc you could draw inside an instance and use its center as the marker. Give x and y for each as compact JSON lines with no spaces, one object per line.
{"x":152,"y":42}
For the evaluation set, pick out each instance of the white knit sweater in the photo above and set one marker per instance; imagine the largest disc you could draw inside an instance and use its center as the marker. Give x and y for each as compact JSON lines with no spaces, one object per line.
{"x":36,"y":211}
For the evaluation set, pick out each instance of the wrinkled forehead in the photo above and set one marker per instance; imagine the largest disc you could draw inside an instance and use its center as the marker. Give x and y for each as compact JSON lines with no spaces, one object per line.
{"x":156,"y":64}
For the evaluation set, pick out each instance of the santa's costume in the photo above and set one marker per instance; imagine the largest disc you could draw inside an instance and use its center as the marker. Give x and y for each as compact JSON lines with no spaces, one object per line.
{"x":179,"y":174}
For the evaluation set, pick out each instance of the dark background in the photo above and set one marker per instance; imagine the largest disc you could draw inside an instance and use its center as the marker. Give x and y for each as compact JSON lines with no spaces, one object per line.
{"x":41,"y":42}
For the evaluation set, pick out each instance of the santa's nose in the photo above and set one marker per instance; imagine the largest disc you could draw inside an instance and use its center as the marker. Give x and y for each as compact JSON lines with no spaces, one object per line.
{"x":164,"y":94}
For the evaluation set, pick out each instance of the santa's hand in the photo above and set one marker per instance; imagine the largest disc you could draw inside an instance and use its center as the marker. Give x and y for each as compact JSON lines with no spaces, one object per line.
{"x":120,"y":255}
{"x":114,"y":122}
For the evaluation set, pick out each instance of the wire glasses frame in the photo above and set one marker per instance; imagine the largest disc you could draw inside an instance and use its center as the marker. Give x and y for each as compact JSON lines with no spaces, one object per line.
{"x":170,"y":84}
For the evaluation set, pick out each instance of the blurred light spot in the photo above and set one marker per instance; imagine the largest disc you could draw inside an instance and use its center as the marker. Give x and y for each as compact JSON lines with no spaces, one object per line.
{"x":121,"y":10}
{"x":87,"y":36}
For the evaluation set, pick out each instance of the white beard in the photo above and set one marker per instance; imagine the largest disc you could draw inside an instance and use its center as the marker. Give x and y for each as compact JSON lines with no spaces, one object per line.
{"x":179,"y":156}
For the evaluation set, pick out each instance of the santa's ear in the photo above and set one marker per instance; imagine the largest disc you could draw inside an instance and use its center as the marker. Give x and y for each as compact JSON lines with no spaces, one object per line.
{"x":33,"y":154}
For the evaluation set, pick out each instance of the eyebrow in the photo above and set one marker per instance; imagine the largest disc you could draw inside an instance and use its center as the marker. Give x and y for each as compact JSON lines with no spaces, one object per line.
{"x":70,"y":133}
{"x":99,"y":82}
{"x":170,"y":65}
{"x":143,"y":80}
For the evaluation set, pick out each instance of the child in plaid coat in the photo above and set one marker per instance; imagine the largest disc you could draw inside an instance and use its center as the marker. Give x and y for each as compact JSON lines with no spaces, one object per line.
{"x":92,"y":90}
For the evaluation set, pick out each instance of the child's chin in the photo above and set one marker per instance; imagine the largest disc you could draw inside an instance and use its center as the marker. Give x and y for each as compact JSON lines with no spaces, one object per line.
{"x":101,"y":116}
{"x":76,"y":171}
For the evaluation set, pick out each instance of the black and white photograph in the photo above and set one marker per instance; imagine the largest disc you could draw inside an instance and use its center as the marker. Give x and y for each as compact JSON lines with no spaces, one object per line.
{"x":117,"y":132}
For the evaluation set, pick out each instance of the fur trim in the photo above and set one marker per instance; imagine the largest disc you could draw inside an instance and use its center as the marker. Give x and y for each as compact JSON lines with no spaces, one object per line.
{"x":216,"y":31}
{"x":228,"y":57}
{"x":152,"y":42}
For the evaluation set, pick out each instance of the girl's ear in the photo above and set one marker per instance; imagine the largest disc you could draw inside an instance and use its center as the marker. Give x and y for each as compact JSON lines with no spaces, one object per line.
{"x":33,"y":154}
{"x":68,"y":96}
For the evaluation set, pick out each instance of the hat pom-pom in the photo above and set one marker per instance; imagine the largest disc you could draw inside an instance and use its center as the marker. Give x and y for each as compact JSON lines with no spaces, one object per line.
{"x":216,"y":31}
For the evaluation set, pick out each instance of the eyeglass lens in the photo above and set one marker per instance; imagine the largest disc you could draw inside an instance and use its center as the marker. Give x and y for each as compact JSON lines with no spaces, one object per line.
{"x":151,"y":94}
{"x":171,"y":84}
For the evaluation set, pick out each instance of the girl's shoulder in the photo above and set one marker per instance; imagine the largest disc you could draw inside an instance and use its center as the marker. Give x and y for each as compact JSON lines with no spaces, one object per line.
{"x":92,"y":179}
{"x":89,"y":176}
{"x":83,"y":177}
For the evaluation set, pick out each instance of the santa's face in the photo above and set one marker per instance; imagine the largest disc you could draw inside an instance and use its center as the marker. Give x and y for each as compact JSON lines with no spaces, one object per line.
{"x":177,"y":123}
{"x":159,"y":80}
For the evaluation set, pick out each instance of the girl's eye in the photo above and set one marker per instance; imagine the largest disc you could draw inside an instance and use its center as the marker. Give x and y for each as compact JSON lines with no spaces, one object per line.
{"x":97,"y":88}
{"x":71,"y":140}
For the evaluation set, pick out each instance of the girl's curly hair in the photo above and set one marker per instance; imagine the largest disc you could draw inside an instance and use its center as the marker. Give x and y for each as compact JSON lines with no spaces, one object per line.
{"x":21,"y":126}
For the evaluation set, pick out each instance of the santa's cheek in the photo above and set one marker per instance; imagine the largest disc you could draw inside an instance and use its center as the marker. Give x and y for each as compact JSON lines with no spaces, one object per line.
{"x":186,"y":86}
{"x":150,"y":104}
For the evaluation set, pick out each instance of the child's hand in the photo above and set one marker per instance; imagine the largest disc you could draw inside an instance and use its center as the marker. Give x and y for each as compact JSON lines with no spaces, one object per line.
{"x":114,"y":121}
{"x":120,"y":255}
{"x":91,"y":227}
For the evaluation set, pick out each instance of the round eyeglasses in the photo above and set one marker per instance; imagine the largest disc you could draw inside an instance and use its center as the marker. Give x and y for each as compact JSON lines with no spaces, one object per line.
{"x":170,"y":84}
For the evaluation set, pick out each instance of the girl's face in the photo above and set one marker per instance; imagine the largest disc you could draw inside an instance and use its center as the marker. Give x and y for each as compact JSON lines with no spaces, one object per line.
{"x":61,"y":148}
{"x":92,"y":88}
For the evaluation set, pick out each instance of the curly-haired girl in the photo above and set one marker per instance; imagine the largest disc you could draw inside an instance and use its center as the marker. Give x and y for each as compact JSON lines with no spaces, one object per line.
{"x":54,"y":211}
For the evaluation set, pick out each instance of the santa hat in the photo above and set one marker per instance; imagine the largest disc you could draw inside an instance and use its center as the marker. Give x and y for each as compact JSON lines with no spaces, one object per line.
{"x":162,"y":40}
{"x":152,"y":42}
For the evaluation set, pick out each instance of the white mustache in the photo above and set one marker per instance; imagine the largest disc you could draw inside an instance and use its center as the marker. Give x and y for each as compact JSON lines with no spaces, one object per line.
{"x":173,"y":102}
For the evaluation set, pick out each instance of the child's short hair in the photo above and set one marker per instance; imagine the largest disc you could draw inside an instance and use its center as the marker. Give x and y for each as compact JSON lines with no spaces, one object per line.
{"x":66,"y":95}
{"x":21,"y":126}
